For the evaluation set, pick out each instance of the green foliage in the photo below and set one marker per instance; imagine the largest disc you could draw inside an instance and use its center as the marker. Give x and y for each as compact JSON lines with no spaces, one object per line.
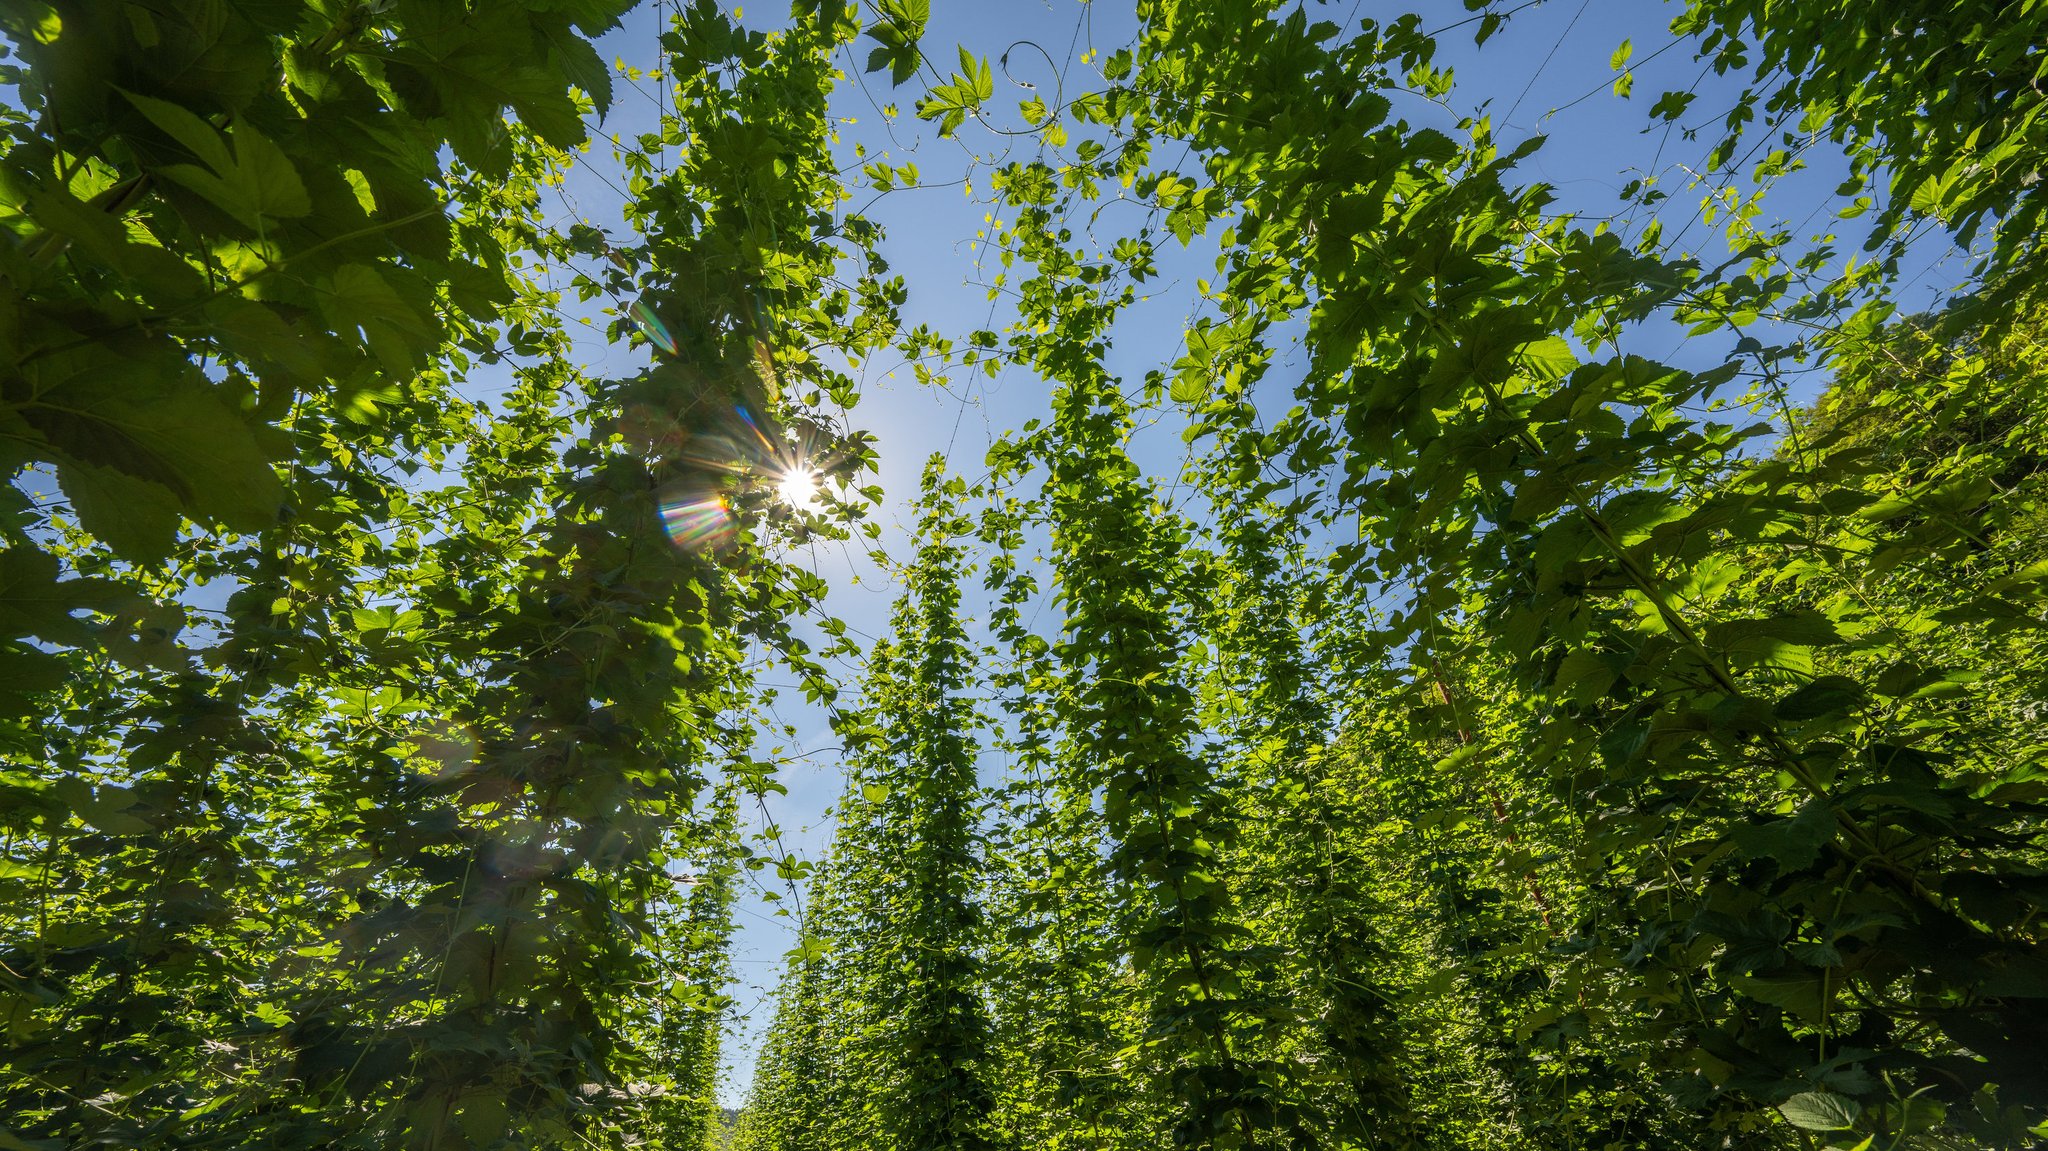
{"x":1953,"y":133}
{"x":379,"y":852}
{"x":1490,"y":736}
{"x":890,"y":1000}
{"x":1602,"y":782}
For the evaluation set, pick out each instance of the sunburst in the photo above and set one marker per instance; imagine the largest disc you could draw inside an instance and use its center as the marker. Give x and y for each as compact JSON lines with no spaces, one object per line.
{"x":798,"y":487}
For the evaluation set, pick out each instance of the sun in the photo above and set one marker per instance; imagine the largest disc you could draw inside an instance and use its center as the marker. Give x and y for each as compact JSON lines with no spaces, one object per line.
{"x":798,"y":487}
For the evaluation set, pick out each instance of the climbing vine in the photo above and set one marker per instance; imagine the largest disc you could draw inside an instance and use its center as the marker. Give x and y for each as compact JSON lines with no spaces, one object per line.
{"x":1404,"y":700}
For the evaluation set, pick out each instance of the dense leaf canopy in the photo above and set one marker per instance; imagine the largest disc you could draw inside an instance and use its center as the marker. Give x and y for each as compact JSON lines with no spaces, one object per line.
{"x":1482,"y":735}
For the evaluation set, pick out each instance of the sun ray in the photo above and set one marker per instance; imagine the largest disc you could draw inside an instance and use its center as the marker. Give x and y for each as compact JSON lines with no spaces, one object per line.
{"x":798,"y":487}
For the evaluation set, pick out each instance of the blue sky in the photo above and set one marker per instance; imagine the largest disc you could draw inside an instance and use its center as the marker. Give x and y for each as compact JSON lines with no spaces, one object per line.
{"x":1548,"y":71}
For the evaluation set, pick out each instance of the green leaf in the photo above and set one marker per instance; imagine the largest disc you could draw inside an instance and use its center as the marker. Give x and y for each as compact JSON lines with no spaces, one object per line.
{"x":255,"y":183}
{"x":582,"y":66}
{"x":358,"y":299}
{"x":910,"y":15}
{"x":484,"y":1118}
{"x":1586,"y":674}
{"x":111,"y":815}
{"x":1189,"y":388}
{"x":1821,"y":1111}
{"x":266,"y":176}
{"x":1793,"y":844}
{"x":94,"y":232}
{"x":35,"y":602}
{"x":1824,"y":696}
{"x":174,"y":432}
{"x":980,"y":78}
{"x":26,"y":673}
{"x":950,"y":103}
{"x":1931,"y":195}
{"x":137,"y":517}
{"x":1672,"y":105}
{"x":255,"y":334}
{"x":187,"y":128}
{"x":1784,"y":642}
{"x":1547,"y":359}
{"x":1801,"y":993}
{"x":898,"y":32}
{"x":207,"y":1108}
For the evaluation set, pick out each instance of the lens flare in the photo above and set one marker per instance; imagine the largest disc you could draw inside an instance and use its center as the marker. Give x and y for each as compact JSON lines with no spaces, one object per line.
{"x":643,"y":317}
{"x":731,"y":462}
{"x":700,"y":521}
{"x":798,"y":487}
{"x":451,"y":748}
{"x":766,"y":447}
